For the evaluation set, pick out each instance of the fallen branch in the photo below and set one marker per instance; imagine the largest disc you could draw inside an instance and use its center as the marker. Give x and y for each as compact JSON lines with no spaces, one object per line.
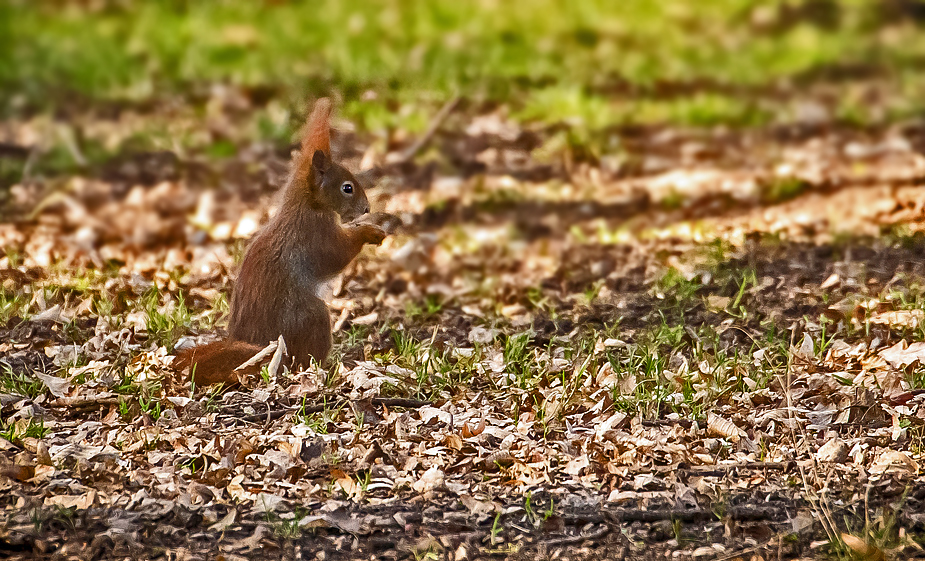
{"x":400,"y":402}
{"x":685,"y":423}
{"x":310,"y":409}
{"x":435,"y":123}
{"x":722,"y":469}
{"x":571,"y":540}
{"x":84,"y":402}
{"x":619,"y":515}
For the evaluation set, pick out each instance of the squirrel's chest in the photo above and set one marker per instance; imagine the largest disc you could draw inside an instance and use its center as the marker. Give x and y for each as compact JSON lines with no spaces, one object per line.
{"x":304,"y":277}
{"x":326,"y":289}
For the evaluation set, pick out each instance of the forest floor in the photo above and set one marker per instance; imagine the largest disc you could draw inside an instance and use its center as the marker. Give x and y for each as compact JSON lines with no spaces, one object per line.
{"x":655,"y":287}
{"x":710,"y":347}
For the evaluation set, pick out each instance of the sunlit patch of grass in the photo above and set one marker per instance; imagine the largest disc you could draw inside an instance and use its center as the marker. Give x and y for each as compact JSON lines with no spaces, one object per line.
{"x":165,"y":323}
{"x":432,"y":368}
{"x":429,"y":308}
{"x":645,"y":368}
{"x":208,"y":319}
{"x":688,"y":369}
{"x":78,"y":281}
{"x":569,"y":103}
{"x":20,"y":383}
{"x":676,"y":290}
{"x":407,"y":348}
{"x":320,"y":421}
{"x":706,"y":109}
{"x":150,"y":406}
{"x":782,"y":189}
{"x":559,"y":60}
{"x":13,"y":304}
{"x":519,"y":359}
{"x":23,"y":428}
{"x":605,"y":236}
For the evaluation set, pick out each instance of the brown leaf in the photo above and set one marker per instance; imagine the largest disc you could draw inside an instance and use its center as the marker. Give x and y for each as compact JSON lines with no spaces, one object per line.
{"x":58,"y":387}
{"x":903,"y":354}
{"x":469,"y":432}
{"x":718,"y":426}
{"x":909,"y":319}
{"x":867,"y":551}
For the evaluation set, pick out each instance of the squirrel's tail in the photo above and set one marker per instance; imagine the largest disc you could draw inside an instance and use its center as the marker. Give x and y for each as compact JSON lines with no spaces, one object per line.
{"x":215,"y":363}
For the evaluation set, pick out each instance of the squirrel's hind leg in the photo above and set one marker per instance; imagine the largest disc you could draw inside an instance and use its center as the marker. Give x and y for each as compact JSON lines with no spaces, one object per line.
{"x":308,"y":332}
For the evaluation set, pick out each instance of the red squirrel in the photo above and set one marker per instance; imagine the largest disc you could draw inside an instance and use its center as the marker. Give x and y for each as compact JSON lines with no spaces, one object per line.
{"x":286,"y":266}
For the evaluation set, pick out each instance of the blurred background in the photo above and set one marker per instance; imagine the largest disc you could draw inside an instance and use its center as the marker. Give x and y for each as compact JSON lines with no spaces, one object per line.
{"x":588,"y":65}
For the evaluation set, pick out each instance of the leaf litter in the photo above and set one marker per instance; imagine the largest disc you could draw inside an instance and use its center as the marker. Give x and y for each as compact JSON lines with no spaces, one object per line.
{"x":711,"y":349}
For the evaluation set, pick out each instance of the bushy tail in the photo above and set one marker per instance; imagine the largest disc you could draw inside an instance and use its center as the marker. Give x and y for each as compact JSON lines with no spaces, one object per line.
{"x":215,"y":363}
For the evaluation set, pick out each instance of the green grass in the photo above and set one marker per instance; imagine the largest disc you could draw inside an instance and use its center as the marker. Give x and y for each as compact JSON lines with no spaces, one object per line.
{"x":20,"y":383}
{"x":594,"y":62}
{"x":12,"y":304}
{"x":783,"y":189}
{"x":33,"y":428}
{"x":320,"y":421}
{"x":168,"y":322}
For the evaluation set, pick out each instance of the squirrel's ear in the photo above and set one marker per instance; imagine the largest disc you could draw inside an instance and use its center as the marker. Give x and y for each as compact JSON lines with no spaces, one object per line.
{"x":319,"y":162}
{"x":319,"y":167}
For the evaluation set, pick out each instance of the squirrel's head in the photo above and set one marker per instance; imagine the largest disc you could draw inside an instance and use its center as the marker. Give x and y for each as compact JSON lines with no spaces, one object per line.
{"x":337,"y":189}
{"x":325,"y":184}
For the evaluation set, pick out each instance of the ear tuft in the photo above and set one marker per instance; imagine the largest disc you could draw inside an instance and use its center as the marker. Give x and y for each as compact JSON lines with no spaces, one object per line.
{"x":316,"y":136}
{"x":317,"y":132}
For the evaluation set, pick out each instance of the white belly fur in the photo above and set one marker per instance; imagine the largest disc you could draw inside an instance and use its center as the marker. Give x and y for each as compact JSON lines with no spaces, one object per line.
{"x":328,"y":288}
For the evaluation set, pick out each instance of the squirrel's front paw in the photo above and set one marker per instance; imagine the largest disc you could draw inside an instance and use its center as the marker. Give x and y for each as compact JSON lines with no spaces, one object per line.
{"x":386,"y":221}
{"x":372,"y":234}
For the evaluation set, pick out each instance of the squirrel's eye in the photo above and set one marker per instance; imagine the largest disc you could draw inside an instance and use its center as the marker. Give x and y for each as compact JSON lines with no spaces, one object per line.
{"x":347,"y":187}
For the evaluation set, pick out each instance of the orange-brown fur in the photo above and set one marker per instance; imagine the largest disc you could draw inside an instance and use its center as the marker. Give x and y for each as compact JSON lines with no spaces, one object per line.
{"x":303,"y":246}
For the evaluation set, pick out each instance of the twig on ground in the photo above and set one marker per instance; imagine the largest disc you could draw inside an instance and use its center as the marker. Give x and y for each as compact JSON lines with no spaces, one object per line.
{"x":722,"y":469}
{"x":618,"y":515}
{"x":84,"y":402}
{"x":581,"y":538}
{"x":271,"y":415}
{"x":435,"y":123}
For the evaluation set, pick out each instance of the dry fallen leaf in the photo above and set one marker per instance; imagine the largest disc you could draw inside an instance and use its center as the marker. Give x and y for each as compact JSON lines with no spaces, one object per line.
{"x":902,"y":354}
{"x":430,"y":480}
{"x":59,"y":387}
{"x":865,"y":550}
{"x":909,"y":319}
{"x":724,"y":428}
